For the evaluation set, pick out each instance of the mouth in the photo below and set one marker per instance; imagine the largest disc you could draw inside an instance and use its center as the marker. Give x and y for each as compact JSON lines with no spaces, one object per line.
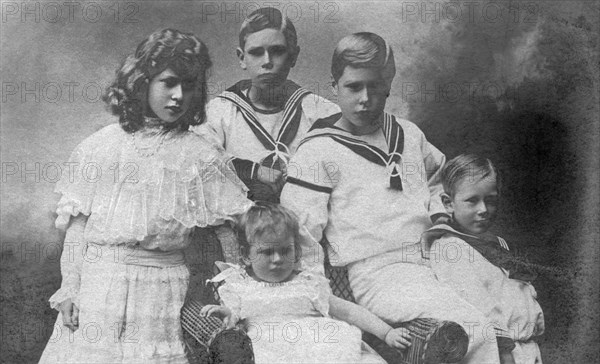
{"x":269,"y":78}
{"x":366,"y":114}
{"x":174,"y":109}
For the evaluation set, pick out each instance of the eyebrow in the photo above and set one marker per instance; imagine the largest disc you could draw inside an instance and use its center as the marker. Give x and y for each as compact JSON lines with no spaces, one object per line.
{"x":267,"y":47}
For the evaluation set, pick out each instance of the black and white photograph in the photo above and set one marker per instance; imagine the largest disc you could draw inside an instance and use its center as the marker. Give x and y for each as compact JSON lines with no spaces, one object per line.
{"x":258,"y":182}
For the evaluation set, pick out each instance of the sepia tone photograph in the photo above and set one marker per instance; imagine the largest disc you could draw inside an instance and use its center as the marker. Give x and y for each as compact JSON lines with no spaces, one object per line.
{"x":300,"y":181}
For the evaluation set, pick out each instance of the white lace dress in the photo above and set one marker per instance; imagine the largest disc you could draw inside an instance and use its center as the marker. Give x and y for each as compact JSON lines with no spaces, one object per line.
{"x":289,"y":322}
{"x":128,"y":205}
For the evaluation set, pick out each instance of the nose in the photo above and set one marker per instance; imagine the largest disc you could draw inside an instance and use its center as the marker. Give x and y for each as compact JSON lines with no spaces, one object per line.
{"x":267,"y":60}
{"x":364,"y":95}
{"x":482,"y":208}
{"x":177,"y":92}
{"x":276,"y":258}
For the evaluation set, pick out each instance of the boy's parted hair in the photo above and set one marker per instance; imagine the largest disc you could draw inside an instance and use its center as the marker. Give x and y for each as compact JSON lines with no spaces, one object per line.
{"x":264,"y":218}
{"x":184,"y":53}
{"x":469,"y":166}
{"x":269,"y":18}
{"x":364,"y":50}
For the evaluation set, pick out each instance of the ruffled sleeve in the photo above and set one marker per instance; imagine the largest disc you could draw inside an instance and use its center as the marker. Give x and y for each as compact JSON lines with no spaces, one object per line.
{"x":223,"y":193}
{"x":321,"y":291}
{"x":77,"y":186}
{"x":154,"y":199}
{"x":70,"y":263}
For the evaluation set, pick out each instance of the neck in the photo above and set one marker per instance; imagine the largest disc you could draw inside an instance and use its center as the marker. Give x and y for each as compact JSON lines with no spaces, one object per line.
{"x":360,"y":129}
{"x":270,"y":98}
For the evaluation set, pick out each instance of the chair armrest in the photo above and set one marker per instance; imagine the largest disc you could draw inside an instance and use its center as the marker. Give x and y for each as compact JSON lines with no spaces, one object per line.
{"x":197,"y":331}
{"x":207,"y":342}
{"x":432,"y":342}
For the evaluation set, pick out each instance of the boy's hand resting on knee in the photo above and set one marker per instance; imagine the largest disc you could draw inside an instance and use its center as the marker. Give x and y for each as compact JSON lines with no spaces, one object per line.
{"x":398,"y":338}
{"x":229,"y":318}
{"x":70,"y":314}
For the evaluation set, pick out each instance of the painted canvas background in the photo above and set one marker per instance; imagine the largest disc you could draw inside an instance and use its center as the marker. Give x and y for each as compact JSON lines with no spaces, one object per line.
{"x":517,"y":81}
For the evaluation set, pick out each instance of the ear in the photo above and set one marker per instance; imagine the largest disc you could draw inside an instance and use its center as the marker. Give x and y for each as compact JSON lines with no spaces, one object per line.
{"x":334,"y":87}
{"x":448,"y":203}
{"x":240,"y":55}
{"x":294,"y":56}
{"x":247,"y":261}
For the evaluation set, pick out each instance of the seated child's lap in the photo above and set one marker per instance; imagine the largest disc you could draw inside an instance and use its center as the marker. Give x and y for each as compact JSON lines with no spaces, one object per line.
{"x":403,"y":291}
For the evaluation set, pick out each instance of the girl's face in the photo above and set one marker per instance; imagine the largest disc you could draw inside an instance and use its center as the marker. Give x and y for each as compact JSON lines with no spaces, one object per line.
{"x":474,"y":204}
{"x":362,"y":94}
{"x":170,"y":96}
{"x":272,"y":257}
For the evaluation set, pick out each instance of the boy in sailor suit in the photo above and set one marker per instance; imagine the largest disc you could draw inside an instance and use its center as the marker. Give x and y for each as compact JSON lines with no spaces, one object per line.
{"x":260,"y":121}
{"x":370,"y":185}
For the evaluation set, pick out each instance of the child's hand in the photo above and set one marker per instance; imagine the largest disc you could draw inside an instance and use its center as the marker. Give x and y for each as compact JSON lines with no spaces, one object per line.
{"x":271,"y":177}
{"x":70,"y":314}
{"x":398,"y":338}
{"x":225,"y":314}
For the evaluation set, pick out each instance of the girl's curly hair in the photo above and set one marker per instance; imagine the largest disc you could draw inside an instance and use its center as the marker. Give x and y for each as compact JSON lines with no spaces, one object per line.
{"x":184,"y":53}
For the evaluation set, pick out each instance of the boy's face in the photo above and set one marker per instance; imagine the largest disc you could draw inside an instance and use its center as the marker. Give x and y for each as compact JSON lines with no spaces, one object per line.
{"x":267,"y":58}
{"x":474,"y":204}
{"x":272,"y":257}
{"x":362,"y":94}
{"x":170,"y":96}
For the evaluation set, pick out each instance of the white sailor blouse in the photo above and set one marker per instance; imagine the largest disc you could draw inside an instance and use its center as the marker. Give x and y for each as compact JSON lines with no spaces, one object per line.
{"x":253,"y":137}
{"x":366,"y":201}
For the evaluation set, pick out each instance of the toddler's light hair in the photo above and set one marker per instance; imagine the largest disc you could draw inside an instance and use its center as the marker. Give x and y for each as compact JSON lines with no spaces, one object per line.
{"x":267,"y":218}
{"x":269,"y":18}
{"x":364,"y":50}
{"x":467,"y":166}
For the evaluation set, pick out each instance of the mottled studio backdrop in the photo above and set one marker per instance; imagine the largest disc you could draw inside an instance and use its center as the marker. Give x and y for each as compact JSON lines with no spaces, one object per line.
{"x":515,"y":80}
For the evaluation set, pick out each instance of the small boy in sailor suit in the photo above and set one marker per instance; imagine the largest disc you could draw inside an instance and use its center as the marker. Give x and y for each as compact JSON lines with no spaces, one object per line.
{"x":479,"y":266}
{"x":260,"y":121}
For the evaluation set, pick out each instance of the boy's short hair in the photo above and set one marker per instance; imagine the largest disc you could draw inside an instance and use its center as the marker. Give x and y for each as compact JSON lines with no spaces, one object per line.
{"x":268,"y":18}
{"x":364,"y":50}
{"x":264,"y":218}
{"x":467,"y":166}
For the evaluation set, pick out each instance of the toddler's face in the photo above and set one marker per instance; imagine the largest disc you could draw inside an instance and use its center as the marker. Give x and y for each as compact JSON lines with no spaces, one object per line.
{"x":362,"y":94}
{"x":170,"y":96}
{"x":475,"y":203}
{"x":272,"y":257}
{"x":267,"y":58}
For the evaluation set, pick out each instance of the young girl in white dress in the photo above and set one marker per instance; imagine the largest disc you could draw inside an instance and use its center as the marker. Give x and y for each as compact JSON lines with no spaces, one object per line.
{"x":291,"y":315}
{"x":479,"y":265}
{"x":135,"y":191}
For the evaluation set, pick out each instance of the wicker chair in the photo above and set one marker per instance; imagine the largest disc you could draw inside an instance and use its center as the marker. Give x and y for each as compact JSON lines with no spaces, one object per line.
{"x":433,"y":341}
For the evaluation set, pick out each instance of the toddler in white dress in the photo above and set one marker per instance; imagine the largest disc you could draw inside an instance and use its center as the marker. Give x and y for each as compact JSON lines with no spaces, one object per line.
{"x":291,"y":315}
